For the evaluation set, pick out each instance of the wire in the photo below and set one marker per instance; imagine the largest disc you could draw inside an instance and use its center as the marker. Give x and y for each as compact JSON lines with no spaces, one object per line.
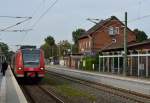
{"x":34,"y":12}
{"x":139,"y":18}
{"x":16,"y":24}
{"x":16,"y":17}
{"x":22,"y":30}
{"x":38,"y":20}
{"x":51,"y":6}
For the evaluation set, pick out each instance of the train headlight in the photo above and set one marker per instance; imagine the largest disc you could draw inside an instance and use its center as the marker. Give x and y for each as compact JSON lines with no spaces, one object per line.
{"x":42,"y":68}
{"x":19,"y":68}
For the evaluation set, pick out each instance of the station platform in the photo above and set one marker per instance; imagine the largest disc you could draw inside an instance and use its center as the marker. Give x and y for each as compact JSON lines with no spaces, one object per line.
{"x":10,"y":91}
{"x":137,"y":85}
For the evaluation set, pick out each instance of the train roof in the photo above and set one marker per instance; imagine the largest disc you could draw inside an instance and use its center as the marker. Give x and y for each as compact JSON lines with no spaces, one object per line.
{"x":28,"y":47}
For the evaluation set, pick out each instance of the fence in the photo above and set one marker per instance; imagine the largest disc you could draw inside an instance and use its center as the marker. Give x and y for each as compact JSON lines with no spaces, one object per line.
{"x":138,"y":64}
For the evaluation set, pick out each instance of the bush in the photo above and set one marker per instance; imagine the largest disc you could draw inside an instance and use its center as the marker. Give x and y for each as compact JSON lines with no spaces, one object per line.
{"x":89,"y":61}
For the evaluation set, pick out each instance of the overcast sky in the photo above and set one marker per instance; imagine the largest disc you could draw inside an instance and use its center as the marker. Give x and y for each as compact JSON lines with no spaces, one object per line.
{"x":66,"y":16}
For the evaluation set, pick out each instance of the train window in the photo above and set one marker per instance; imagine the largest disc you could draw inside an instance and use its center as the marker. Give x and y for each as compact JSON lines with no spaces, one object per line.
{"x":31,"y":58}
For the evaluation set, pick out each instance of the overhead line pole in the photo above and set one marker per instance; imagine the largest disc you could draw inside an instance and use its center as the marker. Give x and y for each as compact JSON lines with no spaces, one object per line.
{"x":125,"y":46}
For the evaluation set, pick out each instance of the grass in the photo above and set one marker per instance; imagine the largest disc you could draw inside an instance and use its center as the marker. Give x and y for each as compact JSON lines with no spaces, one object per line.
{"x":67,"y":90}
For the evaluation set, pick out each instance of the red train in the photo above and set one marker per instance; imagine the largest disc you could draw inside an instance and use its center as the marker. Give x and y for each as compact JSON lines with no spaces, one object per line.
{"x":28,"y":61}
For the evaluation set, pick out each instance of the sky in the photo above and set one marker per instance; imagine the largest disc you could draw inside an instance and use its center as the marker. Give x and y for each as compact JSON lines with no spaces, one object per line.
{"x":64,"y":17}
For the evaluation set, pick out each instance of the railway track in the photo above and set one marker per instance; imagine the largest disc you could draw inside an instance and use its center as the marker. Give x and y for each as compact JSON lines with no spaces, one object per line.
{"x":39,"y":94}
{"x":50,"y":93}
{"x":135,"y":97}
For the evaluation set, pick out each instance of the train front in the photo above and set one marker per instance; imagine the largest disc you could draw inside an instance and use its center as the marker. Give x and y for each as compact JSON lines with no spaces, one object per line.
{"x":33,"y":63}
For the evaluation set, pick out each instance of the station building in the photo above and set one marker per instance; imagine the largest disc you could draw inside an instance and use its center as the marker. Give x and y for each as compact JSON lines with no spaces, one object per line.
{"x":106,"y":38}
{"x":138,"y":63}
{"x":97,"y":37}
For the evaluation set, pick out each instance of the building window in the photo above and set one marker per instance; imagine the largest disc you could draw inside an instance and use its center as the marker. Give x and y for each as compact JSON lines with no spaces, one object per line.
{"x":89,"y":44}
{"x":111,"y":30}
{"x":114,"y":40}
{"x":80,"y":46}
{"x":116,"y":30}
{"x":86,"y":45}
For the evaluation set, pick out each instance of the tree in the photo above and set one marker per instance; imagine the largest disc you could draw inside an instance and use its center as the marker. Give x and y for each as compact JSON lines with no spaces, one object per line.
{"x":50,"y":41}
{"x":49,"y":47}
{"x":140,"y":35}
{"x":64,"y":47}
{"x":4,"y":47}
{"x":10,"y":54}
{"x":46,"y":48}
{"x":76,"y":35}
{"x":5,"y":50}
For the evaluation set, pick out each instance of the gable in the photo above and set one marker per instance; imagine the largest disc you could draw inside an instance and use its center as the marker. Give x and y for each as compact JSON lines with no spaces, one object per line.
{"x":102,"y":25}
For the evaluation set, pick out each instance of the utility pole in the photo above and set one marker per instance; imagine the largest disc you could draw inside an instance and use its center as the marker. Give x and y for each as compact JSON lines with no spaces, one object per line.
{"x":125,"y":46}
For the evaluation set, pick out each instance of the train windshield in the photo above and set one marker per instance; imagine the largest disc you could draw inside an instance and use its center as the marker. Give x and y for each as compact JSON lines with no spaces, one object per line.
{"x":31,"y":58}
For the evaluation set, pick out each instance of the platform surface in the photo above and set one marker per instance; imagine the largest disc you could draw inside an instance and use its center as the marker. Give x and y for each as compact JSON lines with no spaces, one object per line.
{"x":133,"y":84}
{"x":10,"y":91}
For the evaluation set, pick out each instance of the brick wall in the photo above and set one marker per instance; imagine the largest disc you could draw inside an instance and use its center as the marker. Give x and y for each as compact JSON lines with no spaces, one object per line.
{"x":102,"y":38}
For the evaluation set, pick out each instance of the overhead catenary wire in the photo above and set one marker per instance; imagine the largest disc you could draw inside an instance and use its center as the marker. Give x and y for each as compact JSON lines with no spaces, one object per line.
{"x":139,"y":18}
{"x":49,"y":8}
{"x":42,"y":15}
{"x":16,"y":24}
{"x":34,"y":12}
{"x":15,"y":17}
{"x":21,"y":30}
{"x":130,"y":21}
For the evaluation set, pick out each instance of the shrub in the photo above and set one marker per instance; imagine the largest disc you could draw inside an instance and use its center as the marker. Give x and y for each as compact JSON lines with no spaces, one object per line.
{"x":89,"y":61}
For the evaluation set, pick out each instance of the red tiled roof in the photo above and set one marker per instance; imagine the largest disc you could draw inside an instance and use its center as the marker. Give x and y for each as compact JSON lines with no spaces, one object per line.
{"x":99,"y":25}
{"x":96,"y":27}
{"x":112,"y":46}
{"x":119,"y":46}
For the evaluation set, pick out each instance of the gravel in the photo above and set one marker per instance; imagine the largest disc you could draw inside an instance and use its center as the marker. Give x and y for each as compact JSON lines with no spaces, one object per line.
{"x":80,"y":93}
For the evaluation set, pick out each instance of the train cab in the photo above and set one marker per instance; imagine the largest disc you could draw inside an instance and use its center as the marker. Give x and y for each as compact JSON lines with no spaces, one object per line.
{"x":28,"y":62}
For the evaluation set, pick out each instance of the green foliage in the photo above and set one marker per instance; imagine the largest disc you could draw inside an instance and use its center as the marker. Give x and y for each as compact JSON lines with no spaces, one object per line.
{"x":49,"y":51}
{"x":89,"y":61}
{"x":5,"y":49}
{"x":50,"y":41}
{"x":49,"y":47}
{"x":9,"y":55}
{"x":64,"y":47}
{"x":52,"y":50}
{"x":140,"y":35}
{"x":67,"y":89}
{"x":46,"y":48}
{"x":76,"y":35}
{"x":75,"y":48}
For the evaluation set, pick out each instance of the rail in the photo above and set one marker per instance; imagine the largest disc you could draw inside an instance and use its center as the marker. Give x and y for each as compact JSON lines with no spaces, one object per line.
{"x":133,"y":96}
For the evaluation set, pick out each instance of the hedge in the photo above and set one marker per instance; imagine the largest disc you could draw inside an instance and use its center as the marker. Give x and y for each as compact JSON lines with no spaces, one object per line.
{"x":89,"y":61}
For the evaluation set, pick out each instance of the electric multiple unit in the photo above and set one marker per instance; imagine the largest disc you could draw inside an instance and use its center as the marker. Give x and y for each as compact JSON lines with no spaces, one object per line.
{"x":28,"y":61}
